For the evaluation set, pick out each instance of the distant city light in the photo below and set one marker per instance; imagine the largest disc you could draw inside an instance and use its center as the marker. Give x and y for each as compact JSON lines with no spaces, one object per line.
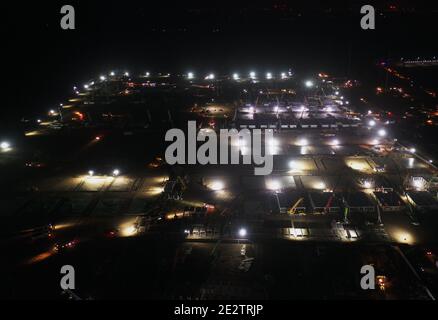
{"x":91,"y":173}
{"x":283,"y":75}
{"x":309,"y":83}
{"x":86,"y":86}
{"x":335,"y":142}
{"x":126,"y":74}
{"x":128,"y":231}
{"x":412,"y":150}
{"x":418,"y":184}
{"x":269,"y":76}
{"x":217,"y":186}
{"x":147,"y":74}
{"x":370,"y":112}
{"x":5,"y":145}
{"x":294,"y":165}
{"x":336,"y":93}
{"x":235,"y":76}
{"x":112,"y":74}
{"x":116,"y":172}
{"x":273,"y":142}
{"x":372,"y":123}
{"x":320,"y":185}
{"x":190,"y":75}
{"x":242,"y":232}
{"x":303,"y":142}
{"x":381,"y":133}
{"x":252,"y":75}
{"x":273,"y":185}
{"x":210,"y":77}
{"x":102,"y":78}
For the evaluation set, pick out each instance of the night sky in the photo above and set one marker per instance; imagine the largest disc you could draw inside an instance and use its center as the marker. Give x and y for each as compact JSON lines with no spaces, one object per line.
{"x":43,"y":62}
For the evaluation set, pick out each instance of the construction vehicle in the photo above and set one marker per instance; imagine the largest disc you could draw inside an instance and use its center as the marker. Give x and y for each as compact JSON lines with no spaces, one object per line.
{"x":293,"y":209}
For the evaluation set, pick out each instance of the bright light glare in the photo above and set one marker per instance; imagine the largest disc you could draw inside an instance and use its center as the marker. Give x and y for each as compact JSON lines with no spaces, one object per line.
{"x":381,"y":133}
{"x":112,"y":74}
{"x":210,"y":77}
{"x":283,"y":75}
{"x":309,"y":83}
{"x":269,"y":76}
{"x":128,"y":231}
{"x":367,"y":184}
{"x":116,"y":172}
{"x":412,"y":150}
{"x":303,"y":142}
{"x":190,"y":75}
{"x":320,"y":185}
{"x":273,"y":185}
{"x":5,"y":145}
{"x":91,"y":173}
{"x":103,"y":78}
{"x":293,"y":165}
{"x":235,"y":76}
{"x":273,"y":142}
{"x":252,"y":75}
{"x":217,"y":186}
{"x":335,"y":142}
{"x":372,"y":123}
{"x":402,"y":236}
{"x":418,"y":184}
{"x":242,"y":232}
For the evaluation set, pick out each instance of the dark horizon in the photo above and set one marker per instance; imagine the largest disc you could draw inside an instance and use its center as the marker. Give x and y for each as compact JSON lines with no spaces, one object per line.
{"x":306,"y":35}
